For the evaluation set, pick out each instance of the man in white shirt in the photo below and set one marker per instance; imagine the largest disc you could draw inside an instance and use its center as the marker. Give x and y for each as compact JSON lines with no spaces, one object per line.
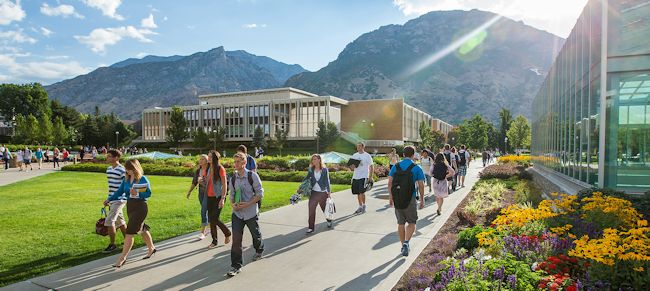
{"x":362,"y":176}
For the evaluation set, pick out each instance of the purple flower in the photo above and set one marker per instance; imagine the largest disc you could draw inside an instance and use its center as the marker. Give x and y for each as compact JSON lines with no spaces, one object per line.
{"x":499,"y":273}
{"x":512,"y":280}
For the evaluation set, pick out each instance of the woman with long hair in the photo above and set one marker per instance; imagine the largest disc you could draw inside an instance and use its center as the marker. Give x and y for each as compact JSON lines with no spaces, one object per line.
{"x":440,"y":171}
{"x":199,"y":180}
{"x":216,"y":191}
{"x":55,"y":158}
{"x":138,"y":190}
{"x":320,"y":191}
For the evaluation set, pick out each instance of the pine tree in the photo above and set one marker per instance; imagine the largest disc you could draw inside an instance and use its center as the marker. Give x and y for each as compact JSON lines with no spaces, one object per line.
{"x":60,"y":134}
{"x":45,"y":129}
{"x":177,"y":129}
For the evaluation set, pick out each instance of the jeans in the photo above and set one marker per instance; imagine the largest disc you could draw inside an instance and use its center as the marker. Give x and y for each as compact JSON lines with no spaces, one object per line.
{"x":316,"y":198}
{"x":213,"y":216}
{"x":6,"y":164}
{"x":237,"y":235}
{"x":203,"y":200}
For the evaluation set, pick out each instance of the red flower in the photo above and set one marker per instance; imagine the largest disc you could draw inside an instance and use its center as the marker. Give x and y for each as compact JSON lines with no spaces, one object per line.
{"x":573,"y":260}
{"x":572,"y":288}
{"x":565,"y":270}
{"x":551,"y":267}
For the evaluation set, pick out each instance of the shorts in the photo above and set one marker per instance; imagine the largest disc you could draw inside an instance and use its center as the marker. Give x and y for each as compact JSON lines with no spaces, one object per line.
{"x":115,"y":214}
{"x":409,"y":214}
{"x":358,"y":186}
{"x":27,"y":162}
{"x":428,"y":179}
{"x":462,"y":171}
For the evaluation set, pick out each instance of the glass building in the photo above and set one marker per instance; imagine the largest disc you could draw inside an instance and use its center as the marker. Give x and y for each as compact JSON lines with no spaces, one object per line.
{"x":591,"y":117}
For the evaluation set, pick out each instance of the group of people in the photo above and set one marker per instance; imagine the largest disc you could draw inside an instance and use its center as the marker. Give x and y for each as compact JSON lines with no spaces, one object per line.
{"x":25,"y":157}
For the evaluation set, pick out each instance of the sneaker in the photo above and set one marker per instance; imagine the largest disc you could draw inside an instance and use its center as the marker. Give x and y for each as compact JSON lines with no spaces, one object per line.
{"x":233,"y":272}
{"x":201,"y":236}
{"x":212,"y":246}
{"x":329,"y":224}
{"x":359,"y":210}
{"x":363,"y":208}
{"x":110,"y":248}
{"x":258,"y":256}
{"x":310,"y":231}
{"x":405,"y":250}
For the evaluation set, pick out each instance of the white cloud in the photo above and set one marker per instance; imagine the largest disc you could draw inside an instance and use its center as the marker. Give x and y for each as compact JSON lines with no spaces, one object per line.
{"x":253,"y":25}
{"x":108,"y":7}
{"x":556,"y":16}
{"x":10,"y":11}
{"x":99,"y":38}
{"x":46,"y":32}
{"x":141,"y":55}
{"x":148,"y":22}
{"x":33,"y":71}
{"x":15,"y":36}
{"x":57,"y":57}
{"x":63,"y":10}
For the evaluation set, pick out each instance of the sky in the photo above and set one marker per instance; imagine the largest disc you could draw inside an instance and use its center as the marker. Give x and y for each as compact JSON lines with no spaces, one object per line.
{"x":48,"y":41}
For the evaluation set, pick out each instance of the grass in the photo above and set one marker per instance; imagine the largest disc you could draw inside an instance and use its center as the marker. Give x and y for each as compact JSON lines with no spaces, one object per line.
{"x":48,"y":222}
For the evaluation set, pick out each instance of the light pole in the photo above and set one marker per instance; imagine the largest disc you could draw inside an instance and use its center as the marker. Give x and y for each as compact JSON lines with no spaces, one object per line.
{"x":117,"y":139}
{"x":505,"y":150}
{"x":214,"y":130}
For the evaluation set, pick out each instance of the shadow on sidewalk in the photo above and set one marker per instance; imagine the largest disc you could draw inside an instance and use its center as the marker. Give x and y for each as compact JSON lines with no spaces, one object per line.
{"x":369,"y":280}
{"x":393,"y":237}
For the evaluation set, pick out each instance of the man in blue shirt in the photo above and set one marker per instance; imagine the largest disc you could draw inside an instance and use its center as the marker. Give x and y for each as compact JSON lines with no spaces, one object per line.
{"x":410,"y":213}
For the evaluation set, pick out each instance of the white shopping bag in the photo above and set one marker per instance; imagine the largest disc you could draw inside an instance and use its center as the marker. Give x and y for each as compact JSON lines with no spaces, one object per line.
{"x":330,"y":209}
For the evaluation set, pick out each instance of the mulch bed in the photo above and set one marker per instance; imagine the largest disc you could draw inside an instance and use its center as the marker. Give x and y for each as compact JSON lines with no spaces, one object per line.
{"x":444,"y":242}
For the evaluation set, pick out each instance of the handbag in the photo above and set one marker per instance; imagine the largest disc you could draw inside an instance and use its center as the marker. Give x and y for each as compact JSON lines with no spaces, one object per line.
{"x":330,"y":209}
{"x":100,"y":228}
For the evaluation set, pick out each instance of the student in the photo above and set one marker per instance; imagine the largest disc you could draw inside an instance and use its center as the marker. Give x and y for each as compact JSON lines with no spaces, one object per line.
{"x":251,"y":165}
{"x":441,"y":171}
{"x":115,"y":218}
{"x":6,"y":157}
{"x":138,"y":189}
{"x":320,"y":181}
{"x":199,"y":179}
{"x":463,"y":162}
{"x":19,"y":160}
{"x":39,"y":157}
{"x":425,"y":163}
{"x":393,"y":158}
{"x":65,"y":154}
{"x":361,"y":176}
{"x":454,"y":182}
{"x":27,"y":159}
{"x":55,"y":158}
{"x":404,"y":190}
{"x":216,"y":191}
{"x":245,"y":191}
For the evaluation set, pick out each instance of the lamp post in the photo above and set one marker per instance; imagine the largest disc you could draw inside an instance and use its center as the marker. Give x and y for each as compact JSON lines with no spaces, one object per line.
{"x":214,"y":130}
{"x":117,"y":139}
{"x":505,"y":150}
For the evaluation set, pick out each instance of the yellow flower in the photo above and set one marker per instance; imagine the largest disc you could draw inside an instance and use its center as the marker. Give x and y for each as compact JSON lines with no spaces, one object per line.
{"x":639,"y":269}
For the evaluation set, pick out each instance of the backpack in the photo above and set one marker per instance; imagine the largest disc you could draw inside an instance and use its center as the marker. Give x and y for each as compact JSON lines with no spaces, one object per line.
{"x":448,"y":158}
{"x":462,"y":159}
{"x":439,"y":171}
{"x":249,"y":177}
{"x":403,"y":186}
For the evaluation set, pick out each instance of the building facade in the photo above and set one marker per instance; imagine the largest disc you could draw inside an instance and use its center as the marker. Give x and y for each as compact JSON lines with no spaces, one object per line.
{"x":441,"y":126}
{"x":380,"y":123}
{"x":591,"y":117}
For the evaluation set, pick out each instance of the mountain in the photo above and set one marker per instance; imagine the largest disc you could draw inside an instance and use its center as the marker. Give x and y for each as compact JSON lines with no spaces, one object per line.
{"x":132,"y":85}
{"x":501,"y":66}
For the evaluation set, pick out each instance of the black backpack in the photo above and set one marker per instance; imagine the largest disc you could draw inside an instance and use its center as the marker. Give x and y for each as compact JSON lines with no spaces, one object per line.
{"x":448,"y":158}
{"x":462,"y":159}
{"x":439,"y":171}
{"x":403,"y":186}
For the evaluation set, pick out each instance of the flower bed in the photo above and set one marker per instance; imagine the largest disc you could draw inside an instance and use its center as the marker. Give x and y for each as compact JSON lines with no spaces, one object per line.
{"x":519,"y":160}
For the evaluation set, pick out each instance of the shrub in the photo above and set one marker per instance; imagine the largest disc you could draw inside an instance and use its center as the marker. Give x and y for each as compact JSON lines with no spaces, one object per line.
{"x":505,"y":171}
{"x":527,"y":191}
{"x":301,"y":163}
{"x":484,"y":197}
{"x":467,"y":237}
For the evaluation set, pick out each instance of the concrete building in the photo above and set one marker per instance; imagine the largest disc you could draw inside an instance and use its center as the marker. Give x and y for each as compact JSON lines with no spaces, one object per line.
{"x":382,"y":124}
{"x":441,"y":126}
{"x":591,"y":117}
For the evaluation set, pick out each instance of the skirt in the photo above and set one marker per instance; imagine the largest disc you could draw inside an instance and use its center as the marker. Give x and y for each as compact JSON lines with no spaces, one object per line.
{"x":137,"y":211}
{"x":440,"y":188}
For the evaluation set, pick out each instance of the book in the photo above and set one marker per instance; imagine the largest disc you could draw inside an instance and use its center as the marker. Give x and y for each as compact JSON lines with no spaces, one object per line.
{"x":354,"y":162}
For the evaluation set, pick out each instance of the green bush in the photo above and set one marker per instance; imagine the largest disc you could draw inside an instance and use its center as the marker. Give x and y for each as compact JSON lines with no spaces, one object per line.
{"x":301,"y":163}
{"x":527,"y":191}
{"x":467,"y":237}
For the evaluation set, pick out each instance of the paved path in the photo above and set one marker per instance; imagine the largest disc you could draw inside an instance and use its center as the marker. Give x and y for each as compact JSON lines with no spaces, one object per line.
{"x":13,"y":175}
{"x":360,"y":253}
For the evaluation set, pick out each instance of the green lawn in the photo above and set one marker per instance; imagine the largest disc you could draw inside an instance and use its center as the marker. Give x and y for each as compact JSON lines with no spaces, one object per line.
{"x":48,"y":222}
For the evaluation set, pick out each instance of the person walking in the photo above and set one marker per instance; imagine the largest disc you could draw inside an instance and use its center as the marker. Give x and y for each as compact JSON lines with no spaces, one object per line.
{"x":39,"y":157}
{"x":393,"y":158}
{"x":441,"y":171}
{"x":485,"y":157}
{"x":115,"y":218}
{"x":319,"y":177}
{"x":139,"y":190}
{"x":55,"y":158}
{"x":451,"y":160}
{"x":454,"y":182}
{"x":362,"y":176}
{"x":216,"y":191}
{"x":27,"y":159}
{"x":464,"y":159}
{"x":19,"y":159}
{"x":66,"y":156}
{"x":245,"y":191}
{"x":405,"y":180}
{"x":94,"y":153}
{"x":200,"y":181}
{"x":6,"y":157}
{"x":251,"y":164}
{"x":425,"y":163}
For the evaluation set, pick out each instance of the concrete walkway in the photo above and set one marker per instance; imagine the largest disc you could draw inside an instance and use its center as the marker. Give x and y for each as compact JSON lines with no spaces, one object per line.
{"x":361,"y":252}
{"x":13,"y":175}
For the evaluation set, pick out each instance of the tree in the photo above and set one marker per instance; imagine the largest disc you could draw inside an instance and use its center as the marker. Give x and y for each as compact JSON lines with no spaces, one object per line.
{"x":32,"y":129}
{"x":332,"y":133}
{"x":493,"y":136}
{"x":45,"y":129}
{"x":519,"y":133}
{"x":506,"y":120}
{"x":21,"y":130}
{"x":218,"y":136}
{"x":60,"y":133}
{"x":177,"y":129}
{"x":438,"y":140}
{"x":281,"y":137}
{"x":258,"y":137}
{"x":453,"y":137}
{"x":24,"y":99}
{"x":201,"y":139}
{"x":473,"y":132}
{"x":69,"y":115}
{"x":90,"y":132}
{"x":426,"y":135}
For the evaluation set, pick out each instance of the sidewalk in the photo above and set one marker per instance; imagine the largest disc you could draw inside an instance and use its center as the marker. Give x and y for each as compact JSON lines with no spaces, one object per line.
{"x":13,"y":175}
{"x":361,"y":252}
